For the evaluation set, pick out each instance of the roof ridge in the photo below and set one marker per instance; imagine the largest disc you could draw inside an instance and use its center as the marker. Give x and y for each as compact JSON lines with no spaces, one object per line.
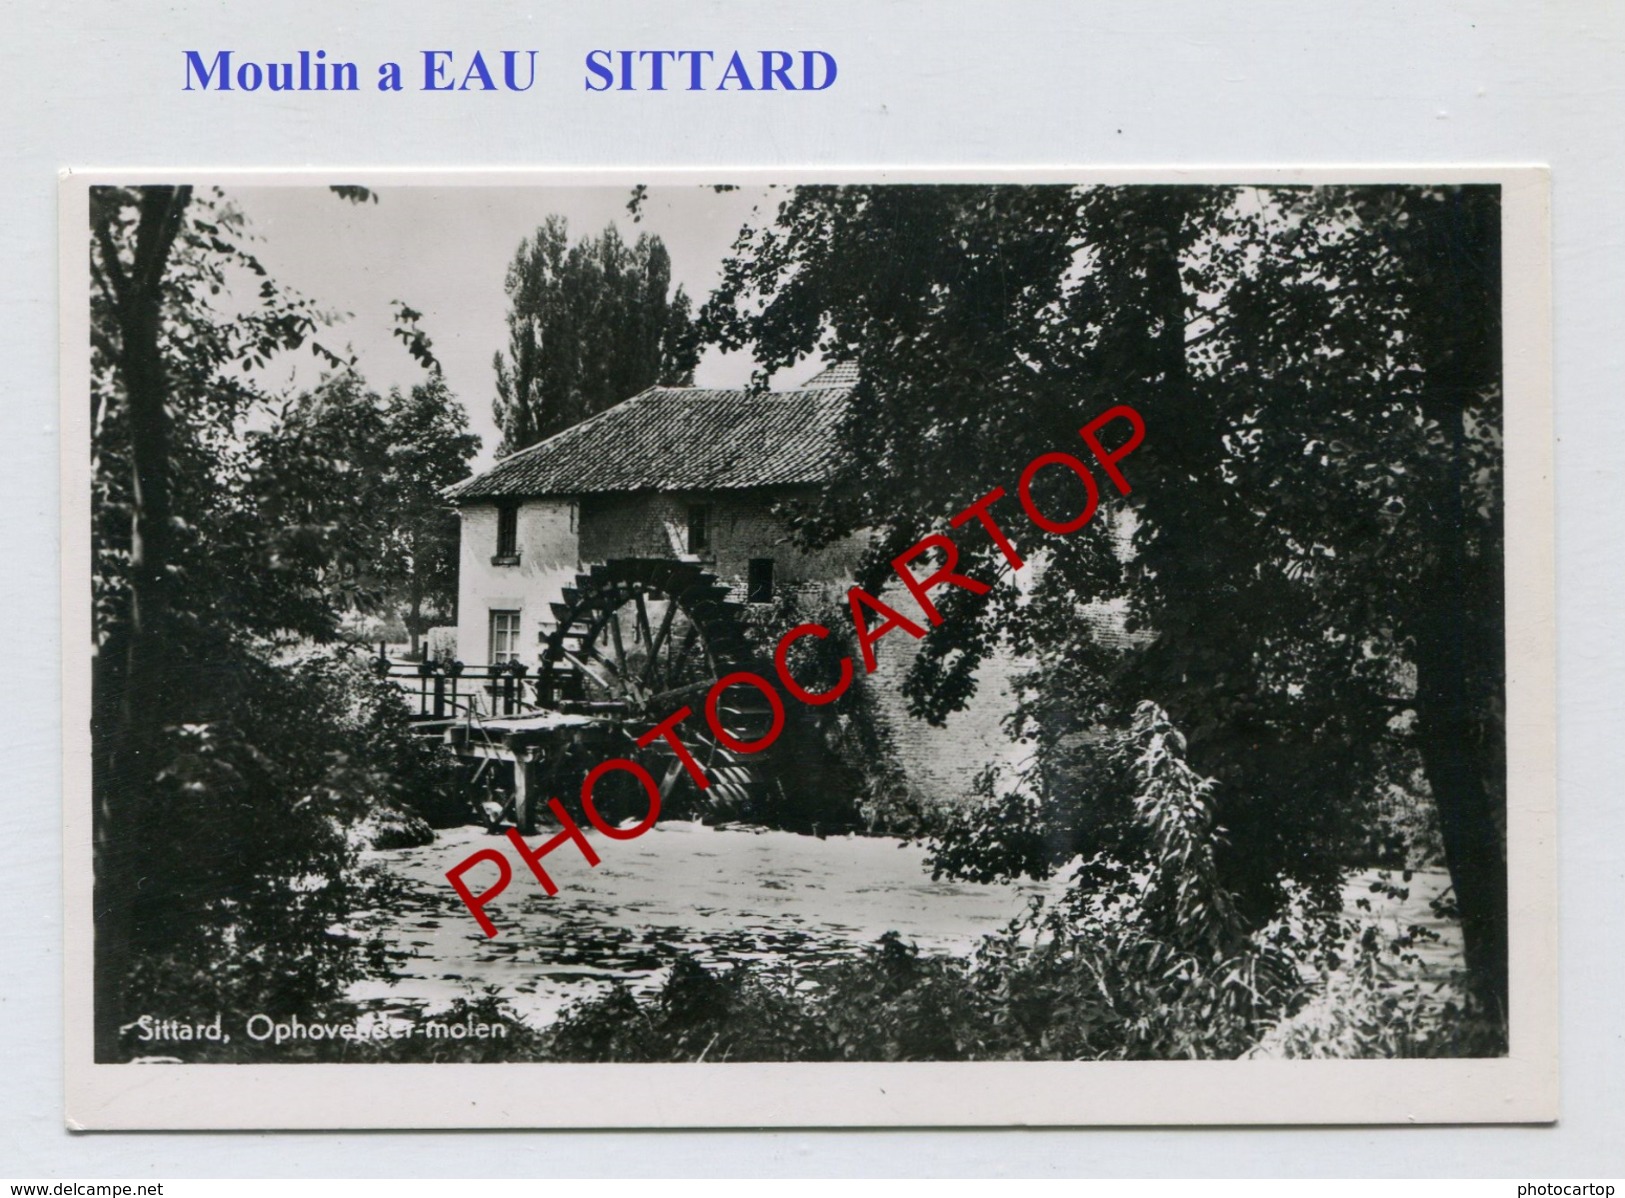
{"x":683,"y":435}
{"x":579,"y":426}
{"x":456,"y":489}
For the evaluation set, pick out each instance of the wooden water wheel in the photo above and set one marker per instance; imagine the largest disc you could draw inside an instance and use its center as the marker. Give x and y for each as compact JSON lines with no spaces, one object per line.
{"x":635,"y":640}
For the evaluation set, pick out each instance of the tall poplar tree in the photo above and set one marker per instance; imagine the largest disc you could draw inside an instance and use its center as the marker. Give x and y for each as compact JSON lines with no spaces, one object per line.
{"x":589,"y":325}
{"x":429,"y":449}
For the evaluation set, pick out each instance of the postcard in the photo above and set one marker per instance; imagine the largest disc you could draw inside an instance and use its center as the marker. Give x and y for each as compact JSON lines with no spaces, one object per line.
{"x":868,"y":648}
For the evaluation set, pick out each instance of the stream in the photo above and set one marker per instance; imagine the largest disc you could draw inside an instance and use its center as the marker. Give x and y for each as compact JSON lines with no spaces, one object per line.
{"x":720,"y":895}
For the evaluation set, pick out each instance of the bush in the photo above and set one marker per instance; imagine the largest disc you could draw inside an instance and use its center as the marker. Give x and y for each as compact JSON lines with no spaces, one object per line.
{"x":246,"y":838}
{"x":390,"y":828}
{"x":1365,"y":1005}
{"x":1051,"y":987}
{"x":741,"y":1014}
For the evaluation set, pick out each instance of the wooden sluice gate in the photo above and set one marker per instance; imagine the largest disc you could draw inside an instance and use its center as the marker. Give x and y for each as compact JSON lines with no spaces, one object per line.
{"x":545,"y":749}
{"x":489,"y":717}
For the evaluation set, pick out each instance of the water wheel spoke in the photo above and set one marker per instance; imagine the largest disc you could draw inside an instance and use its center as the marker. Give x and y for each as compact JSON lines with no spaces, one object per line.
{"x":644,"y":635}
{"x":590,"y":670}
{"x":615,"y":639}
{"x":659,"y":640}
{"x":674,"y":665}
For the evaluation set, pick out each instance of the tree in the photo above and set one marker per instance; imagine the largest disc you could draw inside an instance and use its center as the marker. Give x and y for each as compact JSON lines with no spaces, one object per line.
{"x":1310,"y":557}
{"x":429,"y":449}
{"x":161,"y":395}
{"x":589,"y":325}
{"x":389,"y":543}
{"x":320,"y":492}
{"x":222,"y":540}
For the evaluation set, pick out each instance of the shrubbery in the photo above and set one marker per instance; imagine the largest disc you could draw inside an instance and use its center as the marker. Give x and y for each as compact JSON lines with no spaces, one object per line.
{"x":251,"y":869}
{"x":1088,"y":979}
{"x":1055,"y":987}
{"x":1368,"y":1007}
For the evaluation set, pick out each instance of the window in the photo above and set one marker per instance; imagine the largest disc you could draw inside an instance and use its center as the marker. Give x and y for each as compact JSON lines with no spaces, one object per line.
{"x":699,"y":528}
{"x":508,"y":531}
{"x":759,"y":582}
{"x":504,"y":637}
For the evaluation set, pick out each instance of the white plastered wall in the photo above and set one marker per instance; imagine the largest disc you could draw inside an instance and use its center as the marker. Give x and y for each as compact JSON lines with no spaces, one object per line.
{"x":549,"y":556}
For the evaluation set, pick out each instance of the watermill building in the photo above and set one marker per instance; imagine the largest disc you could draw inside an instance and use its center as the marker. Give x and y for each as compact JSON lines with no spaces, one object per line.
{"x":685,"y":477}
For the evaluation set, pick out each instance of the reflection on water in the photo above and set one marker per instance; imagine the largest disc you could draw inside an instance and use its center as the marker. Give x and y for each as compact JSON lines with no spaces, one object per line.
{"x":719,"y":894}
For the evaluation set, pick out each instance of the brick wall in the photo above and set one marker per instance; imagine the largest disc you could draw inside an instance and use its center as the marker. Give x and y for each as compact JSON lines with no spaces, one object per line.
{"x":942,"y":763}
{"x":741,"y":526}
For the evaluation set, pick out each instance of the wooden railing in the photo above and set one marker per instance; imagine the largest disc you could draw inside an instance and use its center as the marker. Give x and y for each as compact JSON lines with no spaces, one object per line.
{"x":439,"y":690}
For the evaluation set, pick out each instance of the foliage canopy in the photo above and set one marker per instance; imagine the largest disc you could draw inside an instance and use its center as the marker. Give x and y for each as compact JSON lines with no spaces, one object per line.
{"x":1308,"y":569}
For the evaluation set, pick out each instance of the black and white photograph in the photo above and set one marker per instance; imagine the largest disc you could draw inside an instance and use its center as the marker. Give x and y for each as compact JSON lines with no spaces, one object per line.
{"x":727,"y":620}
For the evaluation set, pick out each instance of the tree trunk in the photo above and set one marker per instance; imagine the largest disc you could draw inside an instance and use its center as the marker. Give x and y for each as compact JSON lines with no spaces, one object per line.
{"x":414,"y":592}
{"x":1459,"y":646}
{"x":1448,"y":728}
{"x":1460,"y":626}
{"x":137,"y":710}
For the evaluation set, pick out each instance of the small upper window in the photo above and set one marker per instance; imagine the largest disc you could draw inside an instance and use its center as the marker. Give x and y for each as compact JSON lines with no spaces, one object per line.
{"x":508,"y":530}
{"x":699,"y":528}
{"x":759,"y":582}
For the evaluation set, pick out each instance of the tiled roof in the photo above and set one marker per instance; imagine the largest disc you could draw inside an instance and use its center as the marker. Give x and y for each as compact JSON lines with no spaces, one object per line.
{"x":679,"y":439}
{"x":842,"y":374}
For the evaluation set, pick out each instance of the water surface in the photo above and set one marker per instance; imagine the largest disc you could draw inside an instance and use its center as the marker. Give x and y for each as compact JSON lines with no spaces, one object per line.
{"x":719,"y":894}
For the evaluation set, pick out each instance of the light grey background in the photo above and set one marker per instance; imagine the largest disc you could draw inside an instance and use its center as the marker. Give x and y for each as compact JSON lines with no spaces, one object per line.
{"x":948,"y":82}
